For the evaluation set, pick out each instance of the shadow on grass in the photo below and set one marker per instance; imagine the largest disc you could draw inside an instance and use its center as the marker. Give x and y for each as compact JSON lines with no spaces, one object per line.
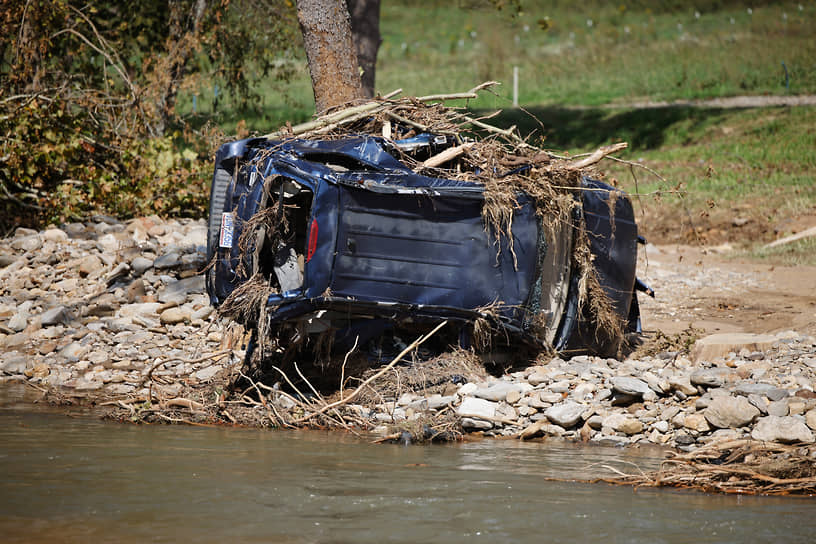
{"x":574,"y":128}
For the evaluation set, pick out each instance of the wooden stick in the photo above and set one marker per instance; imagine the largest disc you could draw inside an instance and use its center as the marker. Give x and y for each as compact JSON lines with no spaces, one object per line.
{"x":793,"y":237}
{"x":597,"y":155}
{"x":447,"y":155}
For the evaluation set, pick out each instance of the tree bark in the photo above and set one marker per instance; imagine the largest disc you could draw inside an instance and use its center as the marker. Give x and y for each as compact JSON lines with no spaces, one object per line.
{"x":330,"y":51}
{"x":365,"y":29}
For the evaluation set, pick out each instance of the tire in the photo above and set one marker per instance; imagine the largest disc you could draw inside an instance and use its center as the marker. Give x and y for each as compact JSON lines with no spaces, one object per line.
{"x":218,"y":198}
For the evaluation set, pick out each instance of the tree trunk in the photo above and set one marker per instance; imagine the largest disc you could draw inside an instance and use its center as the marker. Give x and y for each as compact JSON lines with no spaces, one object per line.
{"x":365,"y":28}
{"x":330,"y":52}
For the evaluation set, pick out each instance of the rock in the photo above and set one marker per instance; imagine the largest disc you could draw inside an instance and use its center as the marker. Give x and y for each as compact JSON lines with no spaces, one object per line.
{"x":18,"y":322}
{"x":207,"y":373}
{"x":176,"y":314}
{"x":682,"y":384}
{"x":178,"y":291}
{"x":719,"y":345}
{"x":497,"y":391}
{"x":513,"y":397}
{"x":471,"y":424}
{"x":435,"y":402}
{"x":765,"y":389}
{"x":168,"y":260}
{"x":810,"y":419}
{"x":467,"y":389}
{"x":6,"y":260}
{"x":29,"y":243}
{"x":54,"y":316}
{"x":787,"y":430}
{"x":696,"y":422}
{"x":202,"y":313}
{"x":629,"y":386}
{"x":147,"y":309}
{"x":778,"y":408}
{"x":89,"y":265}
{"x":474,"y":407}
{"x":55,"y":235}
{"x":661,"y":426}
{"x":121,"y":270}
{"x":760,"y":402}
{"x":140,"y":265}
{"x":136,"y":291}
{"x":566,"y":414}
{"x":623,"y":423}
{"x":15,"y":364}
{"x":714,"y":377}
{"x":730,"y":412}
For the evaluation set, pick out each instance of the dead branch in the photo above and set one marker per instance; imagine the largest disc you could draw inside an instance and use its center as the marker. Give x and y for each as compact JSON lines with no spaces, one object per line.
{"x":596,"y":156}
{"x":416,"y":343}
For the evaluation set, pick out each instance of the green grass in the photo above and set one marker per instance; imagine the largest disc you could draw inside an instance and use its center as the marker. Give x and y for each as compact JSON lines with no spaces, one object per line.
{"x":629,"y":53}
{"x":718,"y":164}
{"x":799,"y":253}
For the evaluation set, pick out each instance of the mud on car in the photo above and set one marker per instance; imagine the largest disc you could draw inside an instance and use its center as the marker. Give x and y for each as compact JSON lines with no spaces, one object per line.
{"x":340,"y":243}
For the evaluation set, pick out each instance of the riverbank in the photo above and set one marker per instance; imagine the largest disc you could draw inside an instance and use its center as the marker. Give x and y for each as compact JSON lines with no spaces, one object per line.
{"x":115,"y":315}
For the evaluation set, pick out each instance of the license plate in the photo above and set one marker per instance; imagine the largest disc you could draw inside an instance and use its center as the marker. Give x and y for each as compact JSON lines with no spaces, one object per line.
{"x":227,"y":222}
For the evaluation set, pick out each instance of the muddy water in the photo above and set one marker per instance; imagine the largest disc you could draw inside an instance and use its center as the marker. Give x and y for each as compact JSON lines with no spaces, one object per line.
{"x":77,"y":479}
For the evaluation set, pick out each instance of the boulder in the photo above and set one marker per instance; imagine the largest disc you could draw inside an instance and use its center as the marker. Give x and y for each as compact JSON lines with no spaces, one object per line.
{"x":717,"y":346}
{"x":567,"y":414}
{"x":787,"y":430}
{"x":730,"y":412}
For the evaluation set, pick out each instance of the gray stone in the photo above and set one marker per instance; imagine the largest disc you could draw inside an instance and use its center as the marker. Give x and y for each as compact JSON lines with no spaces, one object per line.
{"x":18,"y":322}
{"x":765,"y":389}
{"x":15,"y":364}
{"x":475,"y":424}
{"x":54,"y":316}
{"x":55,"y":235}
{"x":202,"y":313}
{"x":566,"y":414}
{"x":168,"y":260}
{"x":550,"y":397}
{"x":207,"y":373}
{"x":661,"y":426}
{"x":760,"y":402}
{"x":629,"y":386}
{"x":714,"y":377}
{"x":480,"y":408}
{"x":178,"y":291}
{"x":140,"y":265}
{"x":787,"y":430}
{"x":496,"y":391}
{"x":730,"y":412}
{"x":6,"y":260}
{"x":778,"y":408}
{"x":146,"y":309}
{"x":810,"y":419}
{"x":682,"y":384}
{"x":435,"y":402}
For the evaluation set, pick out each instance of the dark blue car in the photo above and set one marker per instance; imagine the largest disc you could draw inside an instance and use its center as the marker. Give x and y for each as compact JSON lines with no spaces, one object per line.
{"x":361,"y":246}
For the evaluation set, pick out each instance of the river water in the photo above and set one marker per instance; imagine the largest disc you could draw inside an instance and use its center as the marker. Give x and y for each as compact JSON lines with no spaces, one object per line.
{"x":78,"y":479}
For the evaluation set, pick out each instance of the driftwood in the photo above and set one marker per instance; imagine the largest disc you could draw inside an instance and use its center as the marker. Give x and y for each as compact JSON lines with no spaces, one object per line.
{"x":735,"y":466}
{"x":792,"y":238}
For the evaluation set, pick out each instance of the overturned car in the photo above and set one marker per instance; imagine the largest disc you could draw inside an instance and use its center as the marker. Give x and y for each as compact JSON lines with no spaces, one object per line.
{"x":340,"y":243}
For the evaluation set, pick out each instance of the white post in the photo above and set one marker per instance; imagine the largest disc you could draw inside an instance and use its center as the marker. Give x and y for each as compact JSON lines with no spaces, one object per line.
{"x":515,"y":86}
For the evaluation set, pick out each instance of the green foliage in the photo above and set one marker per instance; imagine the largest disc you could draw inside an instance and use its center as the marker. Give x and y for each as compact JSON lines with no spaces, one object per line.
{"x":88,"y":92}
